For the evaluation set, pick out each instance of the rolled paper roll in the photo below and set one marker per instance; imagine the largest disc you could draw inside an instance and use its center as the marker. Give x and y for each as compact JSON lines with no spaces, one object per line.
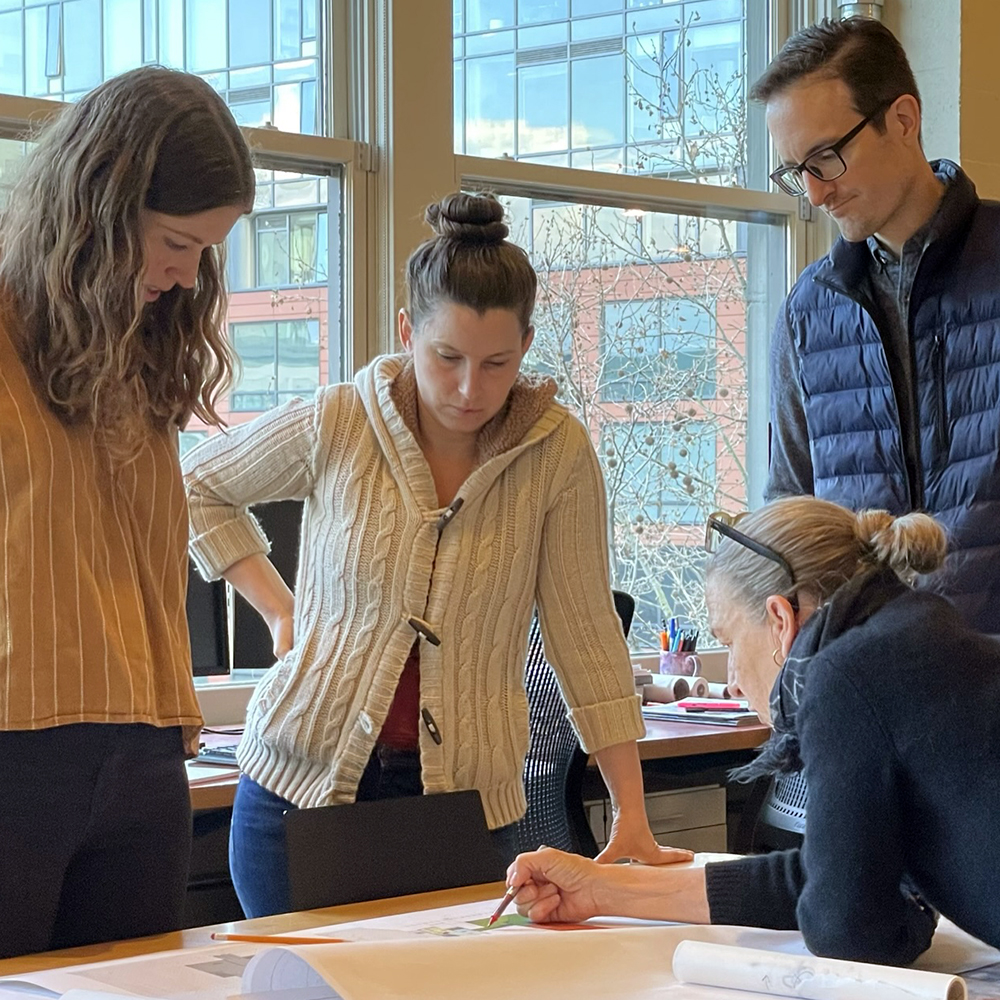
{"x":804,"y":976}
{"x":668,"y":687}
{"x":699,"y":688}
{"x":717,"y":690}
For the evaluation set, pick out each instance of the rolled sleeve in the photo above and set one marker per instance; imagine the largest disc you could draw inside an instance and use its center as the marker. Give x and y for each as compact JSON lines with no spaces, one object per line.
{"x":604,"y":725}
{"x":581,"y":630}
{"x":270,"y":458}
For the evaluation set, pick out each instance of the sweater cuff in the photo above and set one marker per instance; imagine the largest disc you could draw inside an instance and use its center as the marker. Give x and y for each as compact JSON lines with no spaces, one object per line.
{"x":608,"y":723}
{"x":220,"y":547}
{"x":739,"y":892}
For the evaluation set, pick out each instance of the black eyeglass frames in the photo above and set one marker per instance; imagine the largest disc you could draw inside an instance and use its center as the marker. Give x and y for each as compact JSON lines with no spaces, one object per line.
{"x":826,"y":164}
{"x":721,"y":523}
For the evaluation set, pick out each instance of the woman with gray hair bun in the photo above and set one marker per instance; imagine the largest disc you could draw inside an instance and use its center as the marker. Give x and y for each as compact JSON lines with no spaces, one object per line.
{"x":885,"y":700}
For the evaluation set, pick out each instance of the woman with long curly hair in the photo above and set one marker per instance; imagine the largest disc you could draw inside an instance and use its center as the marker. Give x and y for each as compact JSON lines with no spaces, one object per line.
{"x":112,"y":300}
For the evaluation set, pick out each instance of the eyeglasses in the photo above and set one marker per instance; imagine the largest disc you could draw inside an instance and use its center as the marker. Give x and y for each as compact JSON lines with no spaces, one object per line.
{"x":826,"y":164}
{"x":721,"y":523}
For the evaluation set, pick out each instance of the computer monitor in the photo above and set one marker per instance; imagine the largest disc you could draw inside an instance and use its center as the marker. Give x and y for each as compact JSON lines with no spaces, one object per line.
{"x":207,"y":625}
{"x":253,"y":648}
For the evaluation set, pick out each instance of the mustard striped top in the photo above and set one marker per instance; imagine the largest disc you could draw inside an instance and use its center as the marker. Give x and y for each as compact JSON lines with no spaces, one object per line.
{"x":93,"y":572}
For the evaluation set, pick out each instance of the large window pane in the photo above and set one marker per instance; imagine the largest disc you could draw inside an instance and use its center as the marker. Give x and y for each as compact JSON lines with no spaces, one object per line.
{"x":123,"y":27}
{"x":250,"y":34}
{"x":543,"y":119}
{"x":285,"y":278}
{"x":489,"y":104}
{"x":652,"y":324}
{"x":206,"y":35}
{"x":660,"y":88}
{"x":489,"y":15}
{"x":11,"y":53}
{"x":597,"y":102}
{"x":64,"y":48}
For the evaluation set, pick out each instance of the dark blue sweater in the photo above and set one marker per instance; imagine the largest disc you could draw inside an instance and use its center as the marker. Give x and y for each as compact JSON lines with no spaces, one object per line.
{"x":899,"y":727}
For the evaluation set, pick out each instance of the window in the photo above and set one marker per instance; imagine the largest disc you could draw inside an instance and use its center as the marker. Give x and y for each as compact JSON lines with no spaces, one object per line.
{"x":666,"y":473}
{"x":263,"y":56}
{"x":280,"y":360}
{"x":654,"y":348}
{"x":190,"y":439}
{"x":655,"y":299}
{"x":280,"y":249}
{"x":609,"y":85}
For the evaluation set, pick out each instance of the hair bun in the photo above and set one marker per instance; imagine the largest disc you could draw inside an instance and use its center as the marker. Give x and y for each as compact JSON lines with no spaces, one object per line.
{"x":468,"y":218}
{"x":910,"y":544}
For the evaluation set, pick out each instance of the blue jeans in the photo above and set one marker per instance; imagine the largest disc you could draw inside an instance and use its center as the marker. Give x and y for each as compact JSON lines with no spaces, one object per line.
{"x":258,"y":856}
{"x":95,"y":834}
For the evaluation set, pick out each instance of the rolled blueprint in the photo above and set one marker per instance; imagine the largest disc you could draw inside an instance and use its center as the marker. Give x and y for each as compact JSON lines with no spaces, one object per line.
{"x":807,"y":977}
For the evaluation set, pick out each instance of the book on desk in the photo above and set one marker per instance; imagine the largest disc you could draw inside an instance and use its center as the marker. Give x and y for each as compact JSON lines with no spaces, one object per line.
{"x":693,"y":712}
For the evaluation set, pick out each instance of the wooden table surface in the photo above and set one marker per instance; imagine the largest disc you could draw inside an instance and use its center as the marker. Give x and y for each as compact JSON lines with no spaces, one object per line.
{"x":283,"y":923}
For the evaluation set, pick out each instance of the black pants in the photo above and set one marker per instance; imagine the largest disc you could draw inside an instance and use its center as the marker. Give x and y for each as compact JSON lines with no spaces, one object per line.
{"x":95,"y":834}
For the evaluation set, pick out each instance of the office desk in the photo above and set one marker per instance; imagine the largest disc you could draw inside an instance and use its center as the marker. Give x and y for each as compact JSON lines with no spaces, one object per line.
{"x":198,"y":937}
{"x":685,"y":739}
{"x":662,"y":740}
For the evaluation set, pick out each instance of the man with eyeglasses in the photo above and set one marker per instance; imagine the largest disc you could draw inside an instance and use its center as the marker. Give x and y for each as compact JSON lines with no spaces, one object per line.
{"x":885,"y":362}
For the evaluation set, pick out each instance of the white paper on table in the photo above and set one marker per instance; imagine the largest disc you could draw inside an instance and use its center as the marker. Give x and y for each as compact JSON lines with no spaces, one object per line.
{"x":806,"y":977}
{"x":205,"y":973}
{"x":585,"y":965}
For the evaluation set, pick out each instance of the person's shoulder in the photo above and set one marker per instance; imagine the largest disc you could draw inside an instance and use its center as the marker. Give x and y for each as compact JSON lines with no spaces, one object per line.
{"x":902,"y":636}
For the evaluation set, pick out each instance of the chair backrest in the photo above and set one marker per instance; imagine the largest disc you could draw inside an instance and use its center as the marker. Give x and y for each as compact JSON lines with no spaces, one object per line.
{"x":781,"y":821}
{"x":555,"y":765}
{"x":389,"y":847}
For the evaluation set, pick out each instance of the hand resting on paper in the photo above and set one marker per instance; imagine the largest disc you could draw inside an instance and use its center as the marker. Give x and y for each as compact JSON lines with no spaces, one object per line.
{"x":555,"y":887}
{"x":632,"y":839}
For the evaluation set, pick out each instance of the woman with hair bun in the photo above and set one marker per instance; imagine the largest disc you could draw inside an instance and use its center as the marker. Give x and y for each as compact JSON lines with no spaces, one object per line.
{"x":447,"y":496}
{"x":889,"y":705}
{"x":112,"y":298}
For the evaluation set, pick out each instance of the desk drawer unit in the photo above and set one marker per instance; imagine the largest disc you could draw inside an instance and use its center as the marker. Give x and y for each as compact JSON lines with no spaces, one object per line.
{"x":692,"y":818}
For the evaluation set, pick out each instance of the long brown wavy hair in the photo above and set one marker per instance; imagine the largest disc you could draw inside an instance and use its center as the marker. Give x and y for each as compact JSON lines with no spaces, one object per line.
{"x":72,"y":258}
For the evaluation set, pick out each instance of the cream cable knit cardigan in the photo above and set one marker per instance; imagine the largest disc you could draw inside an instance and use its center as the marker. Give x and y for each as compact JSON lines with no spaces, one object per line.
{"x":377,"y":554}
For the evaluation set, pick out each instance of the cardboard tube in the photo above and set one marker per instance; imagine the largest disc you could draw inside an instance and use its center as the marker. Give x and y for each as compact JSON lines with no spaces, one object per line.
{"x":717,"y":690}
{"x":699,"y":688}
{"x":668,"y":687}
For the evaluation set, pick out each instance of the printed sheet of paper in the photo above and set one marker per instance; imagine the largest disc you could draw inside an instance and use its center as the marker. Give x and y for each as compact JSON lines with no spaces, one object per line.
{"x":613,"y":961}
{"x":211,"y":973}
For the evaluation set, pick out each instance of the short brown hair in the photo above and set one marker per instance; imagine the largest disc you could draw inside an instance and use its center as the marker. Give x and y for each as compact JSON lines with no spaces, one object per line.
{"x":470,"y":262}
{"x":862,"y":52}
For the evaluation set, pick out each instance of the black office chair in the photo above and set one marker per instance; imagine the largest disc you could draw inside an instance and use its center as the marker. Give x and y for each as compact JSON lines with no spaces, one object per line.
{"x":775,"y":818}
{"x":555,"y":766}
{"x":390,"y":847}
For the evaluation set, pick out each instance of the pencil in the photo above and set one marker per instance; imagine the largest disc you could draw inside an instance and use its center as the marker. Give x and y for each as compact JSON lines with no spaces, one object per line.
{"x":277,"y":939}
{"x":504,"y":903}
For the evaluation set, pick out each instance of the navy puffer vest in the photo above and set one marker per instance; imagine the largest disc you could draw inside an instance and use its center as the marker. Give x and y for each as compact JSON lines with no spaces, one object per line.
{"x":850,"y":407}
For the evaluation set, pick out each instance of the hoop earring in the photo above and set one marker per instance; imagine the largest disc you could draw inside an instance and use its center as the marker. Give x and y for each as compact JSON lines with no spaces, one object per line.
{"x":774,"y":656}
